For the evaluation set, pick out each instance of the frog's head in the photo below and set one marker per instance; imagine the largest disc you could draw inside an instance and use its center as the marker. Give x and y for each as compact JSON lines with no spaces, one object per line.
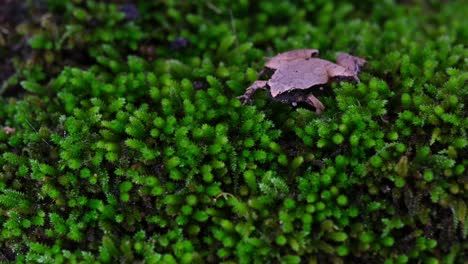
{"x":350,"y":62}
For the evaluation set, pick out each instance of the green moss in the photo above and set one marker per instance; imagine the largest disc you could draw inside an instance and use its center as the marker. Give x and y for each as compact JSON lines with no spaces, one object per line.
{"x":137,"y":150}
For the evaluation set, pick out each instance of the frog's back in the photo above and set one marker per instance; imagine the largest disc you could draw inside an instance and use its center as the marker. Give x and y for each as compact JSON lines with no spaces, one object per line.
{"x":299,"y":74}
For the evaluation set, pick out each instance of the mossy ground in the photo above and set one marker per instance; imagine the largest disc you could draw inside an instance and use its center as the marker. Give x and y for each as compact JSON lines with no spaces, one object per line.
{"x":129,"y":143}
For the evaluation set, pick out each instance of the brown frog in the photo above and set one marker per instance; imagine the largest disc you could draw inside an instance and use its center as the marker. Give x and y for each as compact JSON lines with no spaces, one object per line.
{"x":297,"y":74}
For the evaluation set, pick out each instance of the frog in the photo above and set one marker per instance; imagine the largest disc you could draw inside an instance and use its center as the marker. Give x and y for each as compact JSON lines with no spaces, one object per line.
{"x":294,"y":76}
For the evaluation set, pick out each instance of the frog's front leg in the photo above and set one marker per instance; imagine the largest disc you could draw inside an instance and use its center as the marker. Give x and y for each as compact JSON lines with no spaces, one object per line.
{"x":310,"y":100}
{"x":247,"y":96}
{"x":313,"y":101}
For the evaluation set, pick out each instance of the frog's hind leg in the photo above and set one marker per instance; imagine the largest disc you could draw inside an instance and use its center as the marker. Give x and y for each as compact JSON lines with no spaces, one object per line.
{"x":313,"y":101}
{"x":247,"y":96}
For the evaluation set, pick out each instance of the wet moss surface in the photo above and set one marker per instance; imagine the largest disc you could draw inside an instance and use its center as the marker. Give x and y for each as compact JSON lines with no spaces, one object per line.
{"x":121,"y":137}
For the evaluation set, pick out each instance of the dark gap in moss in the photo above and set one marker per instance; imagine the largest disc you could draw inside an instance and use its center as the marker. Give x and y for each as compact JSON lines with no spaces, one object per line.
{"x":6,"y":253}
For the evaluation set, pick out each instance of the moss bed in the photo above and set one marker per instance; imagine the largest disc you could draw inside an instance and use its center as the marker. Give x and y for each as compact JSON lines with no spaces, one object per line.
{"x":122,"y":140}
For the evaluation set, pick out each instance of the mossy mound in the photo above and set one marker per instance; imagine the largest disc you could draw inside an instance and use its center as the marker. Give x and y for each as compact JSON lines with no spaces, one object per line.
{"x":121,"y":138}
